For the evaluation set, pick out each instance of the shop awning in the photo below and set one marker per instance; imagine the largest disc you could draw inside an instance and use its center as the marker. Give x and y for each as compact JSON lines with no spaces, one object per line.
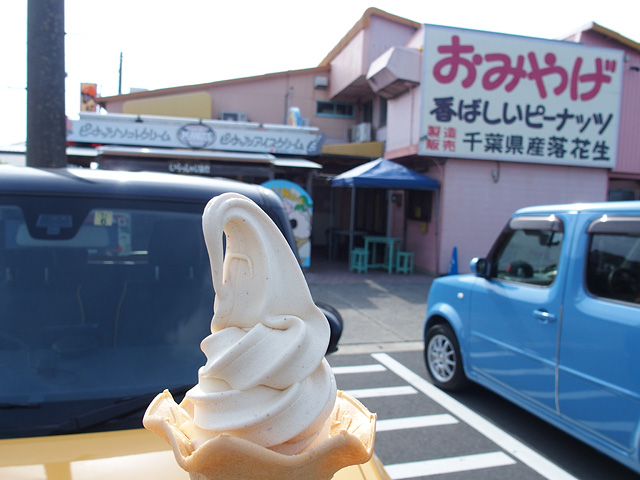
{"x":206,"y":155}
{"x":295,"y":163}
{"x":184,"y":154}
{"x":383,"y":173}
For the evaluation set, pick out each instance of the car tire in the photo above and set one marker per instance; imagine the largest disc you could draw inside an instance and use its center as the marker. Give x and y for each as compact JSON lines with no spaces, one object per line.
{"x":442,"y":358}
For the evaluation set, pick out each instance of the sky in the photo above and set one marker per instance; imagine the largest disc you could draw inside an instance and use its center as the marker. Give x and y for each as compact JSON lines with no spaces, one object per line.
{"x":188,"y":42}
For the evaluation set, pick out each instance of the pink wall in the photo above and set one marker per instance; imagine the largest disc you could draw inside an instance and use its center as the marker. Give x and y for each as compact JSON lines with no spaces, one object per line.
{"x":474,"y":208}
{"x":403,"y":114}
{"x":403,"y":121}
{"x":628,"y":152}
{"x":419,"y":237}
{"x":384,"y":34}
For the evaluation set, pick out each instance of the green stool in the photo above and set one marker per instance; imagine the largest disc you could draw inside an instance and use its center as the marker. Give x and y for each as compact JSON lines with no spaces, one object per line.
{"x":404,"y":262}
{"x":359,"y":259}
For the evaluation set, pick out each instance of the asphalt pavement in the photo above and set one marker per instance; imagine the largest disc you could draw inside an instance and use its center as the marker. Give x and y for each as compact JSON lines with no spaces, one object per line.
{"x":381,"y":311}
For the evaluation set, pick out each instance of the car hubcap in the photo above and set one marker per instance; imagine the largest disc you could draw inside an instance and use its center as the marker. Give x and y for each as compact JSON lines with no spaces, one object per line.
{"x":442,"y":358}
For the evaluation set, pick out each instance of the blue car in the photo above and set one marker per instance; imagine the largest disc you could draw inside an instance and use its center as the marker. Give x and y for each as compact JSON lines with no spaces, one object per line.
{"x":550,"y":320}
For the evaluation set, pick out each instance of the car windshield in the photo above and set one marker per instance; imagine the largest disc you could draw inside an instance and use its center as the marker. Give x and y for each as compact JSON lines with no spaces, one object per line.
{"x":103,"y":301}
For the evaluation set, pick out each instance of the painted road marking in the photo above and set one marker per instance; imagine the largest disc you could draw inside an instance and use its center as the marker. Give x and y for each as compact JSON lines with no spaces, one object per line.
{"x":359,"y":369}
{"x":415,"y":422}
{"x":449,"y":465}
{"x":505,"y":441}
{"x":382,"y":391}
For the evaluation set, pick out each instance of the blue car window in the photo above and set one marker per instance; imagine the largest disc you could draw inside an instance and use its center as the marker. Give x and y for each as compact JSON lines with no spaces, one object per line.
{"x":528,"y":256}
{"x":613,"y":266}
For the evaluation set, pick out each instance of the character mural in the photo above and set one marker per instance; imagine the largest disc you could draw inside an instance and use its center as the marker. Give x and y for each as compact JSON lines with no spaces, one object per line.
{"x":299,"y":207}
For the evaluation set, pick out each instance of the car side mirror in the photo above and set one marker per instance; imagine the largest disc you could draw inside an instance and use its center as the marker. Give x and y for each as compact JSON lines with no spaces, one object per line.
{"x":479,"y":267}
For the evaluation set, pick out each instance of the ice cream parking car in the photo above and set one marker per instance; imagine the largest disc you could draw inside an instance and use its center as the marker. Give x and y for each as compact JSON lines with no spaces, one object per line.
{"x":105,"y":294}
{"x":550,"y":320}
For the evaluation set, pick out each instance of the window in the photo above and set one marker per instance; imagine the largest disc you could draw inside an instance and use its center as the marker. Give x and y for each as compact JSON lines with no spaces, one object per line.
{"x":525,"y":254}
{"x":613,"y":259}
{"x":335,"y":109}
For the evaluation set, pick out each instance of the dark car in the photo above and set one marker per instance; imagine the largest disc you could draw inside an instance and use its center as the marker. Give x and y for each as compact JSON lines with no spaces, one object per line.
{"x":106,"y":293}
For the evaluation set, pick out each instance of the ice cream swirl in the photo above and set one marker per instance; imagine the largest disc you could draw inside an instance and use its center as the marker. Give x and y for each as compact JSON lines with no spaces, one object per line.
{"x":265,"y":379}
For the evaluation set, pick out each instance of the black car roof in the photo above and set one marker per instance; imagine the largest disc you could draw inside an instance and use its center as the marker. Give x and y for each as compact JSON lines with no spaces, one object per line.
{"x":81,"y":182}
{"x":139,"y":185}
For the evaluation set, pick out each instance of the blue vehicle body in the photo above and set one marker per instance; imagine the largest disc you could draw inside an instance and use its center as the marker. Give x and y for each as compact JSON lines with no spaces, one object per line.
{"x":559,"y":334}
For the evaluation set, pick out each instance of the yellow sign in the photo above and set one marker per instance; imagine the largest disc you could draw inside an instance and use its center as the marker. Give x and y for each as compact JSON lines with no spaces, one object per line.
{"x":103,"y":218}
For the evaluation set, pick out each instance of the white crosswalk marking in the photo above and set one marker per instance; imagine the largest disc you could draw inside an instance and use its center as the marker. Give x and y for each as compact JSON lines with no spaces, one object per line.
{"x":505,"y":441}
{"x":448,"y":465}
{"x":382,"y":391}
{"x":415,"y":422}
{"x":359,"y":369}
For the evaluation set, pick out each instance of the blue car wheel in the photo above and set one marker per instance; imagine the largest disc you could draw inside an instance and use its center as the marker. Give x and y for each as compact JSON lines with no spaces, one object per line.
{"x":442,"y":358}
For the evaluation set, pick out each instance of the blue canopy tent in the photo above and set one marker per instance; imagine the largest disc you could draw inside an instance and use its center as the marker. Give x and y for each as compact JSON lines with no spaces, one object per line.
{"x":380,"y":173}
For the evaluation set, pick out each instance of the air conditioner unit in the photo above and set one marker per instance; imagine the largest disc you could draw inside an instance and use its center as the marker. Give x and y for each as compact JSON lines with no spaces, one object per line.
{"x":320,"y":83}
{"x":360,"y":133}
{"x":234,"y":116}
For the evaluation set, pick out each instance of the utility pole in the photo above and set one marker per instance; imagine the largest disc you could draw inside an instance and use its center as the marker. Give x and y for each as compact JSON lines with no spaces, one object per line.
{"x":46,"y":121}
{"x":120,"y":76}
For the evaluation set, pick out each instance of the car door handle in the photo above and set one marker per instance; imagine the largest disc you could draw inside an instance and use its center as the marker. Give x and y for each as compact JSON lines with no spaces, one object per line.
{"x":543,"y":316}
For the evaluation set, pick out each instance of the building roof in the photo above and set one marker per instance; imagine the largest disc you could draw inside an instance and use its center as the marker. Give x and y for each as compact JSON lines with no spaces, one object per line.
{"x":200,"y":86}
{"x":596,"y":27}
{"x":362,"y":24}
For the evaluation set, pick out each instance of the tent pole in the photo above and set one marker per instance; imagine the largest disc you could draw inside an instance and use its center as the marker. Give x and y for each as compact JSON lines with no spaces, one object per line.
{"x":389,"y":212}
{"x":352,"y":222}
{"x":331,"y":225}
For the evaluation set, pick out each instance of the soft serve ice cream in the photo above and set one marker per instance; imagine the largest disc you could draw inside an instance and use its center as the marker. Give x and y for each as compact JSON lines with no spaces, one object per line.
{"x":266,"y":379}
{"x":266,"y":401}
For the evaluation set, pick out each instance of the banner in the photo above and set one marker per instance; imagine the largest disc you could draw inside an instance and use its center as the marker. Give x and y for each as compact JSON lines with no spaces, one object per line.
{"x":491,"y":96}
{"x":150,"y":131}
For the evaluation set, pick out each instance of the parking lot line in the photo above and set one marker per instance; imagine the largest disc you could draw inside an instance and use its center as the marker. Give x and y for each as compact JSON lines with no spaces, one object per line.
{"x":382,"y":391}
{"x":374,"y":368}
{"x":512,"y":446}
{"x":449,"y":465}
{"x":415,"y":422}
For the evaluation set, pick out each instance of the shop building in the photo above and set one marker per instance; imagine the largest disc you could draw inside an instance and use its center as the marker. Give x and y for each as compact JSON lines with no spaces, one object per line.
{"x":499,"y":121}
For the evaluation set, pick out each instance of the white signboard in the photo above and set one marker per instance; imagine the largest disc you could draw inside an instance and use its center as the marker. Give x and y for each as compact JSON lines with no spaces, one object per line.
{"x":490,"y":96}
{"x":205,"y":134}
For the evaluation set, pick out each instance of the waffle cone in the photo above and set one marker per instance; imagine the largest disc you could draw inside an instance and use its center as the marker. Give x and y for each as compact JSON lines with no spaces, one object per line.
{"x":230,"y":458}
